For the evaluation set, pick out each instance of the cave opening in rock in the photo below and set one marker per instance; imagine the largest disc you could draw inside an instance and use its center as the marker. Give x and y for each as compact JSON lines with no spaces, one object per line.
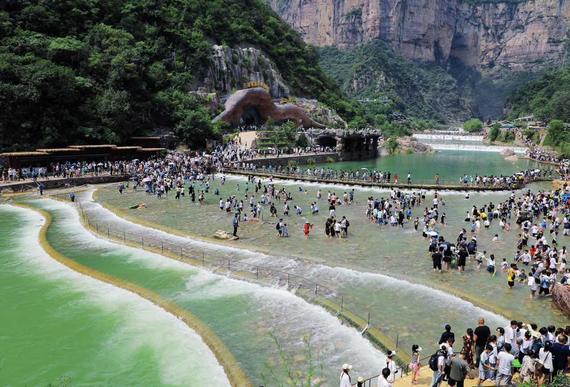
{"x":327,"y":141}
{"x":251,"y":118}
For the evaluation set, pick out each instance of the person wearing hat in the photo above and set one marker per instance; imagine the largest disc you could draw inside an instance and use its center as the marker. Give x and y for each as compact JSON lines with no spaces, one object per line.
{"x":360,"y":382}
{"x":345,"y":375}
{"x":391,"y":365}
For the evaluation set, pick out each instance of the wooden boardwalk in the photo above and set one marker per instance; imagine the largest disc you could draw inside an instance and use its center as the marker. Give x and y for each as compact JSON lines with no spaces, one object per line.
{"x":365,"y":183}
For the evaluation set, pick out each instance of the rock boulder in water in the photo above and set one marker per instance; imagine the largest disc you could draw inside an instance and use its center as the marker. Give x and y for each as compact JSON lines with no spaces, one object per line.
{"x":561,"y":297}
{"x":411,"y":144}
{"x":507,"y":152}
{"x":224,"y":235}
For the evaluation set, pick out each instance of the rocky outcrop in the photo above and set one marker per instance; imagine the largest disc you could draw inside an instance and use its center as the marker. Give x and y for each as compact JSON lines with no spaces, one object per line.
{"x":259,"y":100}
{"x":561,"y":297}
{"x":412,"y":145}
{"x":231,"y":69}
{"x":320,"y":113}
{"x":487,"y":36}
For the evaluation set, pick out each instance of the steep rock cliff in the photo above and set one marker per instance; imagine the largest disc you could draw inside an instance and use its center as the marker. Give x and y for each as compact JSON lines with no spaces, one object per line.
{"x":233,"y":68}
{"x":486,"y":35}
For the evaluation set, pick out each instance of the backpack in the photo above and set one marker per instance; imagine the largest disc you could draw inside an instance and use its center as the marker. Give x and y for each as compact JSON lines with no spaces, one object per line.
{"x":535,"y":346}
{"x":433,"y":360}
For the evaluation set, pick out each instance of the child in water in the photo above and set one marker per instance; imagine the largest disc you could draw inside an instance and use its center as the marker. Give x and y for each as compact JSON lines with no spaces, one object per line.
{"x":307,"y":229}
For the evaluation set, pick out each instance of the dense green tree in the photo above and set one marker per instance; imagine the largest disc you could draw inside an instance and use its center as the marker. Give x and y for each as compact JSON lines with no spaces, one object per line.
{"x":302,"y":141}
{"x":473,"y":125}
{"x":103,"y":70}
{"x":547,"y":97}
{"x":558,"y":136}
{"x":494,"y":132}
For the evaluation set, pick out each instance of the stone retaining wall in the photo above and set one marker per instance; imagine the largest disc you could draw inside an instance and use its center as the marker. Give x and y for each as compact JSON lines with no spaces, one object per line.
{"x":60,"y":183}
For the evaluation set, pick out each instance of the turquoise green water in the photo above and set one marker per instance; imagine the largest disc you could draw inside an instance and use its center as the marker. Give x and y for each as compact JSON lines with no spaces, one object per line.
{"x":356,"y":266}
{"x":243,"y":315}
{"x":62,"y":328}
{"x":450,"y":165}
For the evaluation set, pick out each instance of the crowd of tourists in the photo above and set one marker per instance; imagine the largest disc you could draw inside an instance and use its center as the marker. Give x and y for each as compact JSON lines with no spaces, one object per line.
{"x":387,"y":177}
{"x":516,"y":353}
{"x":66,"y":169}
{"x":525,"y":176}
{"x":542,"y":154}
{"x":538,"y":218}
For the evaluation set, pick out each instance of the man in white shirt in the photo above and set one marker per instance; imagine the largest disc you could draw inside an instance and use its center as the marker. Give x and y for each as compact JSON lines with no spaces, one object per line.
{"x":510,"y":333}
{"x":504,"y":366}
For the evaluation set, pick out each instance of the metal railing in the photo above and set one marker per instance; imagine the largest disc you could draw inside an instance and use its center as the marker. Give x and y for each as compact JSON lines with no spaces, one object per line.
{"x":368,"y":382}
{"x":338,"y":304}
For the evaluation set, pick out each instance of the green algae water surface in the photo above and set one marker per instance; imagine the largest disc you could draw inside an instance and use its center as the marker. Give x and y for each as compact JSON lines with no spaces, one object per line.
{"x":61,"y":327}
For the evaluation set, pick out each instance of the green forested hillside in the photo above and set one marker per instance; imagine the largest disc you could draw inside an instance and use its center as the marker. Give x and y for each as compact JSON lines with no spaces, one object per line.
{"x":103,"y":70}
{"x":547,"y":97}
{"x":372,"y":71}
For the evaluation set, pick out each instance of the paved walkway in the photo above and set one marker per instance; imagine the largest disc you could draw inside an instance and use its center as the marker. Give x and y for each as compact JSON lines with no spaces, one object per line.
{"x":247,"y":138}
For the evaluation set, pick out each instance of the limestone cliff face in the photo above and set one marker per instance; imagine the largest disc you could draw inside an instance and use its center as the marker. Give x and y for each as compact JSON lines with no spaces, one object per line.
{"x":486,"y":36}
{"x":231,"y":69}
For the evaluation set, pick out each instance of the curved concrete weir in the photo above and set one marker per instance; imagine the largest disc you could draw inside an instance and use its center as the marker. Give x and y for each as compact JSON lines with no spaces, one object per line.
{"x":242,"y":314}
{"x":106,"y":329}
{"x":357,"y":286}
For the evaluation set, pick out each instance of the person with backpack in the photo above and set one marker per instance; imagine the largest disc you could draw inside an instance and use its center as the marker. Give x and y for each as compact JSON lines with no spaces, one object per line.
{"x":437,"y":365}
{"x":544,"y":283}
